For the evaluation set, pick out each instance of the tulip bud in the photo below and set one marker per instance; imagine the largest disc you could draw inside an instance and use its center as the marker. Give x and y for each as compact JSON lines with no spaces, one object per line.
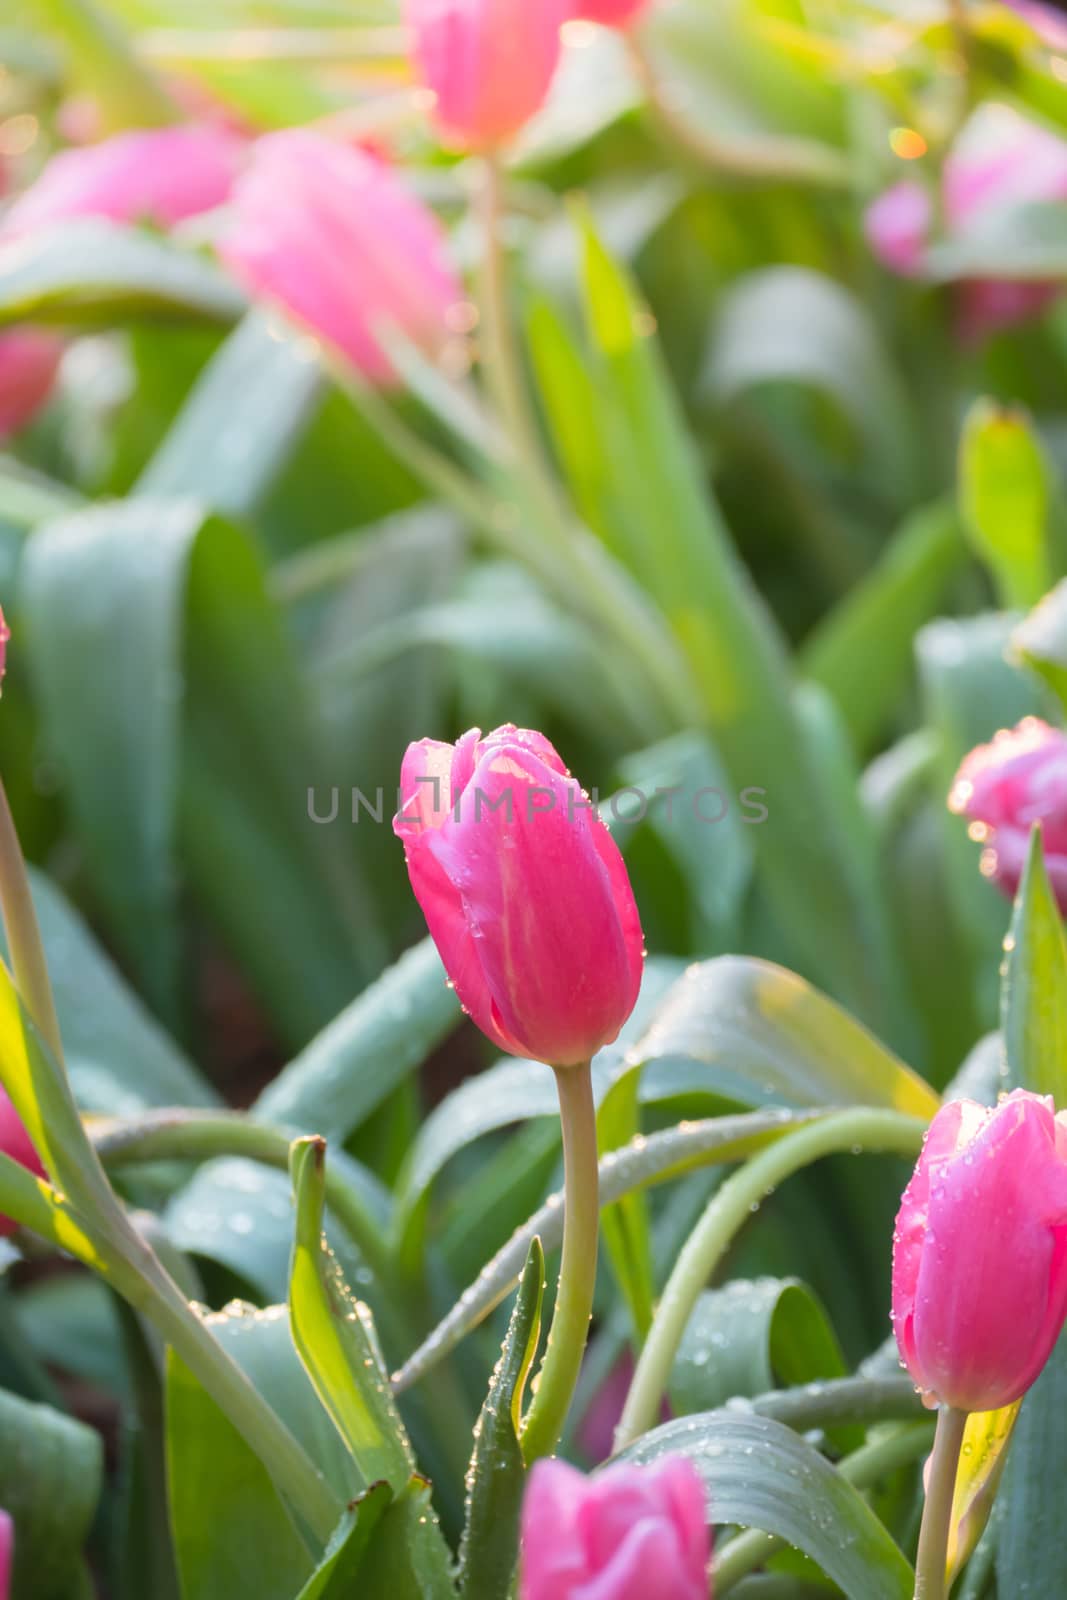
{"x":15,"y":1142}
{"x":524,"y":892}
{"x":611,"y":13}
{"x":7,"y":1554}
{"x":980,"y":1252}
{"x":334,"y":237}
{"x":1007,"y":786}
{"x":29,"y":361}
{"x":1000,"y":162}
{"x":159,"y":175}
{"x":489,"y":63}
{"x":625,"y":1533}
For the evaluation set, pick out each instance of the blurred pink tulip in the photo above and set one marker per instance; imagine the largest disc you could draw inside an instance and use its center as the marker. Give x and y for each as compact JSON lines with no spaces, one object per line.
{"x":628,"y":1533}
{"x":5,"y":639}
{"x":612,"y":13}
{"x":490,"y":63}
{"x":159,"y":175}
{"x":980,"y":1252}
{"x":29,"y":361}
{"x":1049,"y":24}
{"x":332,"y":235}
{"x":1001,"y":162}
{"x":1007,"y":786}
{"x":524,"y":892}
{"x":7,"y":1554}
{"x":16,"y":1143}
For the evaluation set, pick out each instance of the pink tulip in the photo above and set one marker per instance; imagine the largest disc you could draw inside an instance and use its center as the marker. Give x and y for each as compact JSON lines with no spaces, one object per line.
{"x":7,"y":1553}
{"x":29,"y":361}
{"x":489,"y":63}
{"x":1000,"y":163}
{"x":159,"y":175}
{"x":1007,"y":786}
{"x":524,"y":892}
{"x":1049,"y":24}
{"x":5,"y":636}
{"x":15,"y":1142}
{"x":333,"y":236}
{"x":612,"y":13}
{"x":628,"y":1533}
{"x":980,"y":1252}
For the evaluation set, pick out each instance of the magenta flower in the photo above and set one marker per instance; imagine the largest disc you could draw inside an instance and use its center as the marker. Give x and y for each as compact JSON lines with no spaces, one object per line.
{"x":331,"y":235}
{"x":29,"y":361}
{"x":1001,"y":162}
{"x":15,"y":1142}
{"x":524,"y":892}
{"x":489,"y":63}
{"x":628,"y":1533}
{"x":7,"y":1554}
{"x":980,"y":1252}
{"x":1007,"y":786}
{"x":158,"y":175}
{"x":612,"y":13}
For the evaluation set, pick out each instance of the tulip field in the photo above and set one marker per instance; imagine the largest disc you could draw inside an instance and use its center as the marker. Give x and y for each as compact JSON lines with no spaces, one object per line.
{"x":533,"y":820}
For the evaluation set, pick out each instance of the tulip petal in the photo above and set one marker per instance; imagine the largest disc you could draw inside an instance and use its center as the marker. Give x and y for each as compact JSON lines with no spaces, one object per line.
{"x":540,"y":906}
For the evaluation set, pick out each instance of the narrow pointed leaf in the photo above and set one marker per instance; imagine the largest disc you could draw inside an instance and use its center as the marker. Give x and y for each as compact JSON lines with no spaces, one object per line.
{"x":497,"y":1470}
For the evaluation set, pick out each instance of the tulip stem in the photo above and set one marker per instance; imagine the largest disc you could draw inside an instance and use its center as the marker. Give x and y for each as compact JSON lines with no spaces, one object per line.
{"x":501,"y":355}
{"x":558,"y":1377}
{"x":932,"y":1559}
{"x":727,"y":1212}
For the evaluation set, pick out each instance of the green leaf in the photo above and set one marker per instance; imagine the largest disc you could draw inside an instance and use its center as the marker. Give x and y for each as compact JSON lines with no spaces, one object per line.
{"x":1026,"y":242}
{"x":497,"y":1471}
{"x":336,"y":1573}
{"x":1034,"y":995}
{"x":51,"y":1476}
{"x":1031,"y":1535}
{"x":241,"y":421}
{"x":862,"y":652}
{"x":119,"y":1059}
{"x":402,"y":1561}
{"x":969,"y":692}
{"x":352,"y":1067}
{"x":335,"y":1337}
{"x":170,"y":608}
{"x":1003,"y":489}
{"x":646,"y":1160}
{"x":1031,"y":1542}
{"x":101,"y":62}
{"x":790,"y":324}
{"x":751,"y":1336}
{"x":232,"y":1532}
{"x":663,"y":523}
{"x":751,"y":1032}
{"x":90,"y":273}
{"x":1040,"y":640}
{"x":759,"y":1474}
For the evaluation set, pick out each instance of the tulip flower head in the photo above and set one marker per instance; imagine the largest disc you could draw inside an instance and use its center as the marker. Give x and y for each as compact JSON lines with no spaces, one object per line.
{"x":29,"y":361}
{"x":1001,"y":163}
{"x":980,"y":1252}
{"x":524,"y":892}
{"x":628,"y":1533}
{"x":16,"y":1143}
{"x":612,"y":13}
{"x":7,"y":1554}
{"x":157,"y":175}
{"x":1007,"y":786}
{"x":332,"y":236}
{"x":489,"y":63}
